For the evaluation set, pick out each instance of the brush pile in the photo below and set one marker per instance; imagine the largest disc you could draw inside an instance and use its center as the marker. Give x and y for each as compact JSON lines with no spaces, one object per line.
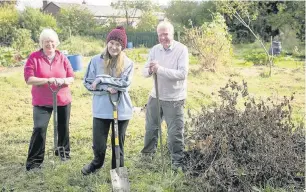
{"x":244,"y":145}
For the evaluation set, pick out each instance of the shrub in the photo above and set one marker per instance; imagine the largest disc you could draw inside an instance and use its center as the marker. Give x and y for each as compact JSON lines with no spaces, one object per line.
{"x":147,"y":22}
{"x":8,"y":23}
{"x":257,"y":58}
{"x":10,"y":57}
{"x":86,"y":46}
{"x":242,"y":149}
{"x":75,"y":21}
{"x":211,"y":42}
{"x":35,"y":21}
{"x":22,"y":41}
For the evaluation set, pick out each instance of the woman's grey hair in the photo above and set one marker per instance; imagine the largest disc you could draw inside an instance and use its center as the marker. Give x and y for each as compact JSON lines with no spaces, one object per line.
{"x":165,"y":25}
{"x":48,"y":34}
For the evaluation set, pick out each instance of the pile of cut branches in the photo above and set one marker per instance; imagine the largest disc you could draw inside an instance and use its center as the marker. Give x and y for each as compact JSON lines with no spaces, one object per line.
{"x":234,"y":149}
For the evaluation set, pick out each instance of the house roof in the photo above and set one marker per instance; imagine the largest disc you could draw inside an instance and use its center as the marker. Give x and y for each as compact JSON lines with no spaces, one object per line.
{"x":100,"y":10}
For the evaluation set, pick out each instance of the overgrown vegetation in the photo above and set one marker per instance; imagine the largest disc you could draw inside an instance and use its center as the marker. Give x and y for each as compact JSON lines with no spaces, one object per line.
{"x":11,"y":58}
{"x":85,"y":46}
{"x":248,"y":149}
{"x":211,"y":43}
{"x":22,"y":41}
{"x":201,"y":13}
{"x":76,"y":21}
{"x":16,"y":130}
{"x":257,"y":58}
{"x":34,"y":20}
{"x":242,"y":144}
{"x":8,"y":23}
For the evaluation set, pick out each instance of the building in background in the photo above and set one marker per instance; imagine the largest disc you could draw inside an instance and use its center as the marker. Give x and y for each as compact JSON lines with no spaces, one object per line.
{"x":8,"y":2}
{"x":102,"y":13}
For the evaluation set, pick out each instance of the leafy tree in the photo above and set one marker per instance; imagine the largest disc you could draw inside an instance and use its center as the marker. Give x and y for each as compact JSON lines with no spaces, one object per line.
{"x":181,"y":12}
{"x":266,"y":18}
{"x":131,"y":8}
{"x":34,"y":20}
{"x":290,"y":13}
{"x":261,"y":25}
{"x":247,"y":10}
{"x":75,"y":21}
{"x":174,"y":12}
{"x":8,"y":23}
{"x":148,"y":22}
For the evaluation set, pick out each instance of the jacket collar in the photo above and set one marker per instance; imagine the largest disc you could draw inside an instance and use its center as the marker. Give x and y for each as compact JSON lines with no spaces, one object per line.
{"x":42,"y":54}
{"x":170,"y":48}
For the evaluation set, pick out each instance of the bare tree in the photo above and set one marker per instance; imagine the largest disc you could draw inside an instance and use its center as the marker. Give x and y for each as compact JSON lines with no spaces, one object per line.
{"x":238,"y":10}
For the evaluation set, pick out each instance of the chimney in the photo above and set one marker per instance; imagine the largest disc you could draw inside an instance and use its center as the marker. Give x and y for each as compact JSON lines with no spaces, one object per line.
{"x":45,"y":3}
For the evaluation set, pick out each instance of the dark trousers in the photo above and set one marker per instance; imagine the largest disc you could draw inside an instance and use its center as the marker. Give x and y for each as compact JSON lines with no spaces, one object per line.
{"x":100,"y":133}
{"x":41,"y":118}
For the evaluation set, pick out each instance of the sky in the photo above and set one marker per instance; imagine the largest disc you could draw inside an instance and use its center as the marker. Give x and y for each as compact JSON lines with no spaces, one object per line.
{"x":38,"y":3}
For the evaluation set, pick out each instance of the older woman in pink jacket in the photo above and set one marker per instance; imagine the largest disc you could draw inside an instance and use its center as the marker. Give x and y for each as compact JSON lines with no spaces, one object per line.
{"x":43,"y":67}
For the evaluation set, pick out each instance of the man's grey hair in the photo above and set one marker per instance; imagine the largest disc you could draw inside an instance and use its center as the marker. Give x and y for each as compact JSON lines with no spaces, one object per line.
{"x":48,"y":34}
{"x":165,"y":25}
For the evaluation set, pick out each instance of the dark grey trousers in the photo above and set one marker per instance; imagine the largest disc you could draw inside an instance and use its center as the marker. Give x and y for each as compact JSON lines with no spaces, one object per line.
{"x":100,"y":133}
{"x":173,"y":113}
{"x":41,"y":118}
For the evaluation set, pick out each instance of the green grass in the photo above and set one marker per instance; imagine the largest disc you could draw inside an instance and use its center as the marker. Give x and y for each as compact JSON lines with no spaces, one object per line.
{"x":16,"y":127}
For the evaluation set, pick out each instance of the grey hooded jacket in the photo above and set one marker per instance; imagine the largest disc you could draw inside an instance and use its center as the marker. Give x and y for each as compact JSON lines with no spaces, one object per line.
{"x":101,"y":105}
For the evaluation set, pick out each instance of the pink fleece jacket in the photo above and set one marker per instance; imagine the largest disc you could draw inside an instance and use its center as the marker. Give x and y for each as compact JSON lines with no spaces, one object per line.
{"x":38,"y":65}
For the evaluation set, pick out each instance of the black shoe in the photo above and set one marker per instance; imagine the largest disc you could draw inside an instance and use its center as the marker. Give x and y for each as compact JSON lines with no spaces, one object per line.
{"x":89,"y":169}
{"x":30,"y":167}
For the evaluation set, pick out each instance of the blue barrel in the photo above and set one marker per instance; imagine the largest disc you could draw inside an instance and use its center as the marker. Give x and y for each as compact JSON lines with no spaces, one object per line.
{"x":76,"y":62}
{"x":130,"y":45}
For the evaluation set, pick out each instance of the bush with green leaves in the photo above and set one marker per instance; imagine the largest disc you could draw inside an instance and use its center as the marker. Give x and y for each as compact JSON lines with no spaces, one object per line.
{"x":6,"y":56}
{"x":35,"y":21}
{"x":245,"y":147}
{"x":256,"y":58}
{"x":10,"y":57}
{"x":211,"y":42}
{"x":86,"y":46}
{"x":22,"y":41}
{"x":148,"y":22}
{"x":74,"y":21}
{"x":8,"y":23}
